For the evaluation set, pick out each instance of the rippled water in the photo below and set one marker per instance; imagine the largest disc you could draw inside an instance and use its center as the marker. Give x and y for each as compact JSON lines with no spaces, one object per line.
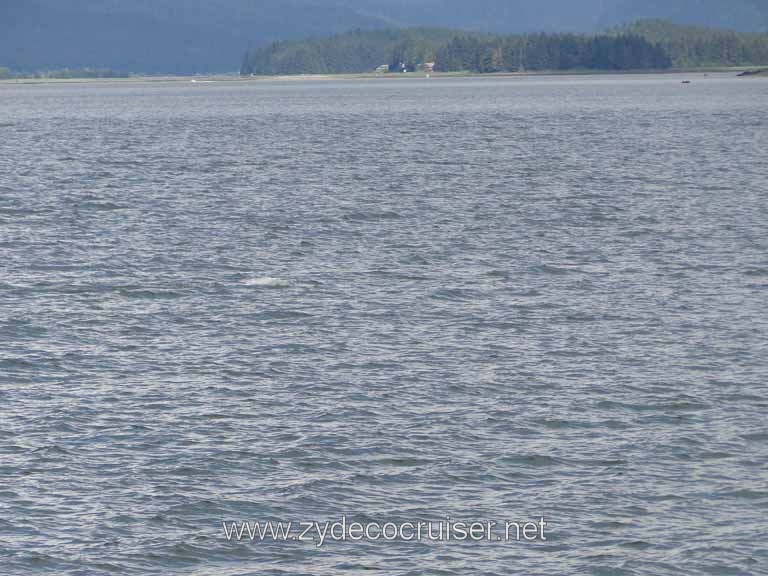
{"x":484,"y":298}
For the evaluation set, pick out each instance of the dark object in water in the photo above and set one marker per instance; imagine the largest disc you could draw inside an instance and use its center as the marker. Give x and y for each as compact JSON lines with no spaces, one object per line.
{"x":686,"y":82}
{"x":754,"y":72}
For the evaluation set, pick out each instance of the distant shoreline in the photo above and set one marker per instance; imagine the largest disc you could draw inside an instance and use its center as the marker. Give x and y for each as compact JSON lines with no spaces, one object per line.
{"x":236,"y":78}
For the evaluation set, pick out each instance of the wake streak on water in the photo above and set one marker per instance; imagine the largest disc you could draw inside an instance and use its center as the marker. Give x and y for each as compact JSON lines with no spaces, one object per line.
{"x":491,"y":299}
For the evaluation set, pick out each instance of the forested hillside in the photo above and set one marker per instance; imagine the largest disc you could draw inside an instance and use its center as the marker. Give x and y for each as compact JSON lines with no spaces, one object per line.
{"x":643,"y":45}
{"x":357,"y":51}
{"x":362,"y":51}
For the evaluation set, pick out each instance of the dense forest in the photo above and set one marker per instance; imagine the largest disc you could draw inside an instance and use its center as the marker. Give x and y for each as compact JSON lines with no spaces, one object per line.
{"x":550,"y":52}
{"x":643,"y":45}
{"x":408,"y":50}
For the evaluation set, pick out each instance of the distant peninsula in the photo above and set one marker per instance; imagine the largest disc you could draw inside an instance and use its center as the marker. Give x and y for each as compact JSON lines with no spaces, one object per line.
{"x":63,"y":74}
{"x":642,"y":45}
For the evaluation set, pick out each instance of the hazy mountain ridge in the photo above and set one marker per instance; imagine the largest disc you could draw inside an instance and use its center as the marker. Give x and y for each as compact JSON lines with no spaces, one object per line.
{"x":185,"y":36}
{"x":742,"y":15}
{"x":159,"y":36}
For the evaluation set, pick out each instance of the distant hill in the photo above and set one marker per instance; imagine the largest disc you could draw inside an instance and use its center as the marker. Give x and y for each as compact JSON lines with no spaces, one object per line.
{"x":696,"y":46}
{"x":188,"y":36}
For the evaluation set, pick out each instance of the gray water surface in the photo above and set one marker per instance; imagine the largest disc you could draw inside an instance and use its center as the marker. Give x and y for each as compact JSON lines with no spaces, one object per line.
{"x":494,"y":299}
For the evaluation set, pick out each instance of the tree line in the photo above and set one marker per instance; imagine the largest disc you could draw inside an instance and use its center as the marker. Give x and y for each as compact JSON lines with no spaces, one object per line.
{"x":550,"y":52}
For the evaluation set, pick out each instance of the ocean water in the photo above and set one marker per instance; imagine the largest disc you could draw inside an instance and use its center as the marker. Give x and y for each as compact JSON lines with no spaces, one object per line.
{"x":489,"y":299}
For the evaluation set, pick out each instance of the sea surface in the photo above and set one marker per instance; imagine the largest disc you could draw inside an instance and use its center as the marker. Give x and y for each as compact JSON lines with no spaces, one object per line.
{"x":489,"y":299}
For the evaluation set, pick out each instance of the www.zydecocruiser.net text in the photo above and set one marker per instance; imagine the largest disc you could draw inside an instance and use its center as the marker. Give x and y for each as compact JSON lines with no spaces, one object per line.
{"x":344,"y":530}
